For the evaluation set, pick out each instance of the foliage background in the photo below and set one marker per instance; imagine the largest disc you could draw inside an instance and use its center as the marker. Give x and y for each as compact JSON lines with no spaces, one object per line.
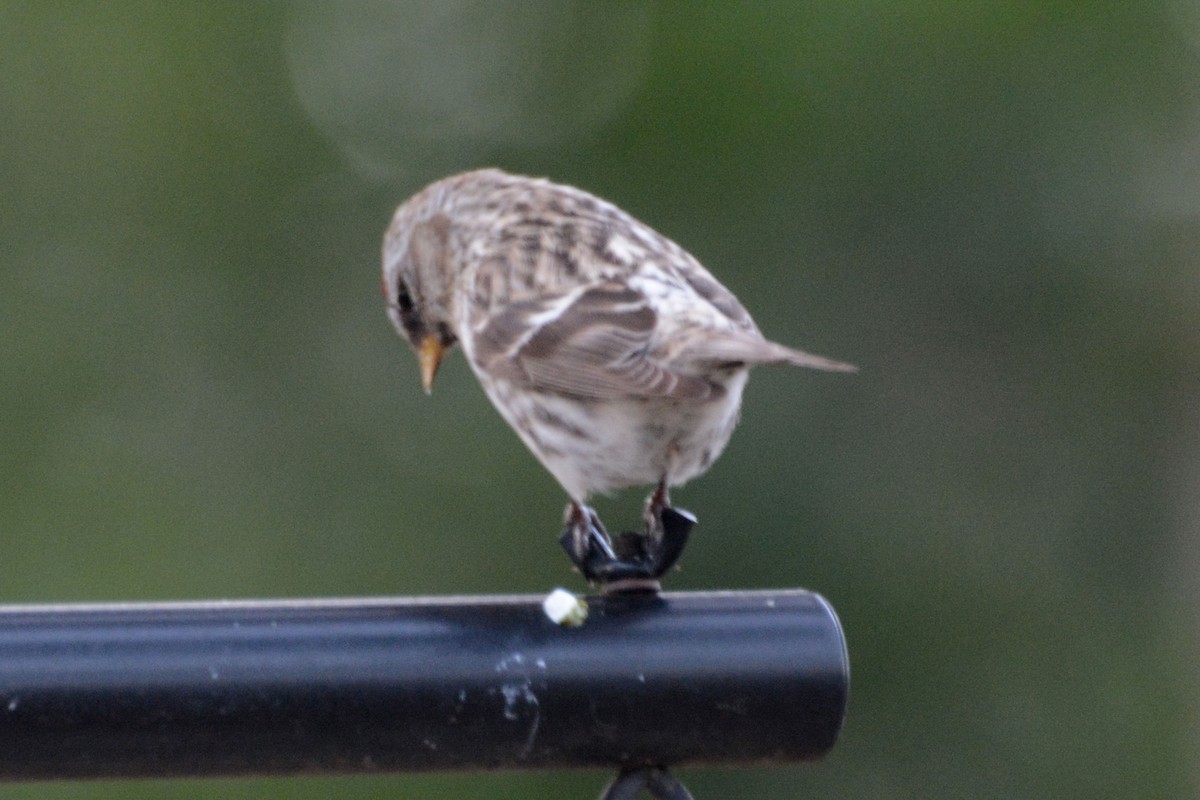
{"x":991,"y":208}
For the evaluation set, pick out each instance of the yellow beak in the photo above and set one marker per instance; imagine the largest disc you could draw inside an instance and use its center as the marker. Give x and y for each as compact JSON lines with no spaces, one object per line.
{"x":429,"y":353}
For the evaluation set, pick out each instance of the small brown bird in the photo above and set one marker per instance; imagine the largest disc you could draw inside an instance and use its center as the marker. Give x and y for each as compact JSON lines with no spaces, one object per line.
{"x":615,"y":356}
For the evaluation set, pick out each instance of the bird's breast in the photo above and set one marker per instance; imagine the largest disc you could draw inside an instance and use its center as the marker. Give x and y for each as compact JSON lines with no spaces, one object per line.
{"x":599,"y":446}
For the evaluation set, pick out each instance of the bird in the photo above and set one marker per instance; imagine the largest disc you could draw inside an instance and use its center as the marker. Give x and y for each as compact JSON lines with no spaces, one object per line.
{"x":616,"y":357}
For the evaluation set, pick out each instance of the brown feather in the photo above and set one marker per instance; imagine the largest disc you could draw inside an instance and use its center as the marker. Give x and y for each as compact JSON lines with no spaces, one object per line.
{"x":595,"y":349}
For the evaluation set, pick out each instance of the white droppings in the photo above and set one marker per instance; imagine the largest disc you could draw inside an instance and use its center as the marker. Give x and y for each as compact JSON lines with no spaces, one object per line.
{"x":520,"y":701}
{"x":510,"y":660}
{"x":540,"y":663}
{"x":14,"y":702}
{"x":214,"y":673}
{"x":513,"y":692}
{"x":565,"y":609}
{"x":516,"y":697}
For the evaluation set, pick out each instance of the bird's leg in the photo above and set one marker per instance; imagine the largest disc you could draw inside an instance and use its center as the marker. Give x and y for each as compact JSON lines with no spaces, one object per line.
{"x":585,"y":539}
{"x":614,"y":566}
{"x":652,"y":513}
{"x":633,"y":562}
{"x":667,"y":531}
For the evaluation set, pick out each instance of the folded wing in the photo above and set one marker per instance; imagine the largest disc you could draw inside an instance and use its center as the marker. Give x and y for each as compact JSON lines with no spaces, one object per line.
{"x":593,"y":345}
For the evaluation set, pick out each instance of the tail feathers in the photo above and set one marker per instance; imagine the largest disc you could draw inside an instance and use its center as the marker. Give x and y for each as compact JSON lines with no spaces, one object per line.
{"x":799,"y":358}
{"x":754,"y":350}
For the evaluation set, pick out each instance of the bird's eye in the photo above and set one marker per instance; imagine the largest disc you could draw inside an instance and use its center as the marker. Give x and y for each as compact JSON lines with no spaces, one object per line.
{"x":404,"y":301}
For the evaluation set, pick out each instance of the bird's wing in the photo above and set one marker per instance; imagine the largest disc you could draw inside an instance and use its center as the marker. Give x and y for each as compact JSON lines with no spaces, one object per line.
{"x":592,"y":344}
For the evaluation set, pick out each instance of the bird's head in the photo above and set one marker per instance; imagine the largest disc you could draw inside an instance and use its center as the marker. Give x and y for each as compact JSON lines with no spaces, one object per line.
{"x":417,"y":264}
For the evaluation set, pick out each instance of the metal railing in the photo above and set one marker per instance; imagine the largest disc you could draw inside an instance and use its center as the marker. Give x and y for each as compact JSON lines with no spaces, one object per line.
{"x":414,"y":684}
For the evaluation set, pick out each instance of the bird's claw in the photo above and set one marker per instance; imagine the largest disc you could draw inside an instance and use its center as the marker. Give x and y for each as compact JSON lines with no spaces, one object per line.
{"x":633,"y":562}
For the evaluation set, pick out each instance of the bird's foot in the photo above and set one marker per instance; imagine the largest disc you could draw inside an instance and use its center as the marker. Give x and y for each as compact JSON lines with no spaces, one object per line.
{"x":667,"y":530}
{"x":585,"y":539}
{"x":674,"y":526}
{"x":633,"y":562}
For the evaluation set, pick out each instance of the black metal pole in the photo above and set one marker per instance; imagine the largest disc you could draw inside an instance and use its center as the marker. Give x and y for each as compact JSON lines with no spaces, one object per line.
{"x":344,"y":686}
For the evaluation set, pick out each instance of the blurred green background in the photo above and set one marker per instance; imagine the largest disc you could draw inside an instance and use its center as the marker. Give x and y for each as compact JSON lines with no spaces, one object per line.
{"x":991,"y":208}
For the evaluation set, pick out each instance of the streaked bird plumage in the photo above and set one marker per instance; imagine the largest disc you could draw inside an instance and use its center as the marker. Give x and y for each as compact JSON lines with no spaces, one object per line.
{"x":616,"y":357}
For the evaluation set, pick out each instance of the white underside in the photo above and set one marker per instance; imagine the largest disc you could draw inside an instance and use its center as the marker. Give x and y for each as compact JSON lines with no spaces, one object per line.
{"x":625,"y":442}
